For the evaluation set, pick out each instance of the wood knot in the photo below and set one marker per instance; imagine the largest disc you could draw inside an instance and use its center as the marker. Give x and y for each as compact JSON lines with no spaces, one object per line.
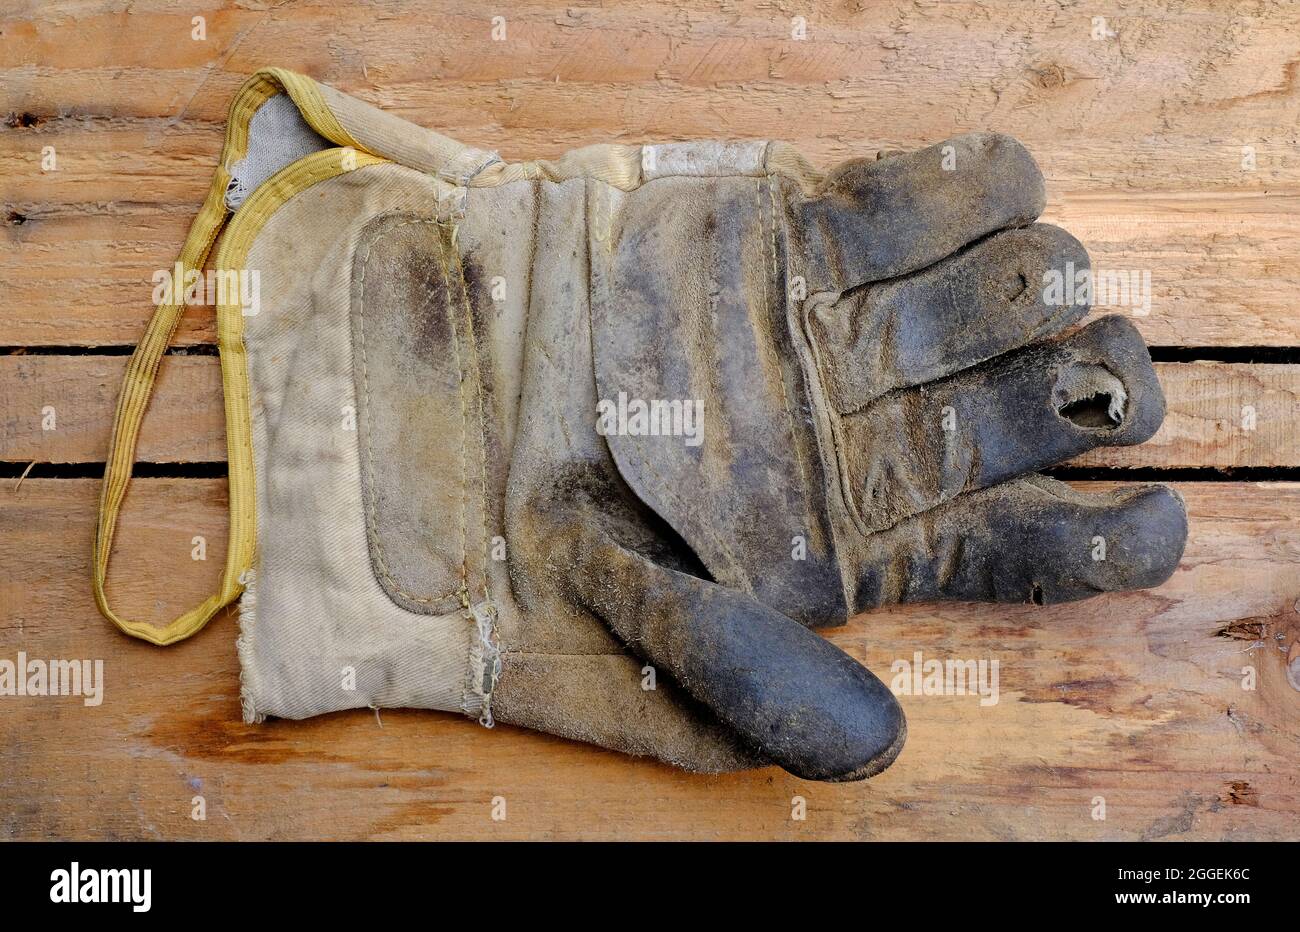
{"x":1050,"y":76}
{"x":22,"y":120}
{"x":1240,"y":793}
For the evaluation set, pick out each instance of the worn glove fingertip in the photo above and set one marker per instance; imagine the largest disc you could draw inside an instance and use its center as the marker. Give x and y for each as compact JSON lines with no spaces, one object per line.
{"x":1006,"y":159}
{"x":862,"y":728}
{"x":1151,"y":528}
{"x":797,"y":698}
{"x":875,"y":735}
{"x":880,"y":760}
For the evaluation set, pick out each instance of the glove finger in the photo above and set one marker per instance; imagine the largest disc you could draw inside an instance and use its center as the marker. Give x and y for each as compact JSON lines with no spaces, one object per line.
{"x":607,"y":699}
{"x":876,"y":219}
{"x":1021,"y":412}
{"x":1030,"y":540}
{"x":794,"y":697}
{"x":986,"y":300}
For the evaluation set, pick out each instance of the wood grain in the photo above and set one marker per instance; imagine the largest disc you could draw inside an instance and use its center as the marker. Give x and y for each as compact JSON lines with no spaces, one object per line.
{"x":1210,"y":406}
{"x":1140,"y":133}
{"x":59,"y":409}
{"x":1221,"y":415}
{"x":1136,"y":698}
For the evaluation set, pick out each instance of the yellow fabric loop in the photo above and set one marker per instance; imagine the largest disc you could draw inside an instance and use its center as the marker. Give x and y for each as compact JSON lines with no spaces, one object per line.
{"x":141,"y":372}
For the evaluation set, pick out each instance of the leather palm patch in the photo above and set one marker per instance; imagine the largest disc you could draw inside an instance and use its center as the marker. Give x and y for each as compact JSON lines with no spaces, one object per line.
{"x":418,"y":413}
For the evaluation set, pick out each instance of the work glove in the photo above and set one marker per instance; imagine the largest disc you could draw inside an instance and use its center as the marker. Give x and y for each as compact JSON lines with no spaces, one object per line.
{"x":589,"y":445}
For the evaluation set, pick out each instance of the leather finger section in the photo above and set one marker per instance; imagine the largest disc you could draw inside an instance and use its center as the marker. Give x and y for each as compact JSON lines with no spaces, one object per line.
{"x":986,"y":300}
{"x":877,"y":219}
{"x":618,"y":702}
{"x":791,"y":695}
{"x":1034,"y":540}
{"x":917,"y":447}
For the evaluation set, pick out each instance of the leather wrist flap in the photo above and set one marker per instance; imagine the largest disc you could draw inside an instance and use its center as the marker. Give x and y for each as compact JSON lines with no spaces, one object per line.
{"x":701,"y":400}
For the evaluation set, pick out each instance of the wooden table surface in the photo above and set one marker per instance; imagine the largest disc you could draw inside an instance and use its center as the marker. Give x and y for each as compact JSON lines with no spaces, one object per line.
{"x":1169,"y":138}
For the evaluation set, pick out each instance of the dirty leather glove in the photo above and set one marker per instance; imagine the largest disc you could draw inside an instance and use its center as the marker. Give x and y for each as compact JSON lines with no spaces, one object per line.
{"x":588,"y":445}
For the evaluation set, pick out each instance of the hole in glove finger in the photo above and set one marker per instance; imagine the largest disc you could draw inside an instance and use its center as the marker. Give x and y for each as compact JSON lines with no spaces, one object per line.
{"x":1024,"y":411}
{"x":986,"y":300}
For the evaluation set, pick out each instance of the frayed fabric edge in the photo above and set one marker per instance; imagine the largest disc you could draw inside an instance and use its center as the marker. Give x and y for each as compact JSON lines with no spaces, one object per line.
{"x":244,"y":647}
{"x":484,"y":663}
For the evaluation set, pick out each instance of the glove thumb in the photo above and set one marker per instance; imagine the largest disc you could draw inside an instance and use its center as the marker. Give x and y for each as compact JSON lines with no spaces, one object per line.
{"x":796,"y":698}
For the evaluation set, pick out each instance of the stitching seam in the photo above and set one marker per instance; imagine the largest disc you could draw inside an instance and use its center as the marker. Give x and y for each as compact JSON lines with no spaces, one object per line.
{"x":372,"y":530}
{"x":767,"y":306}
{"x":463,"y":592}
{"x":482,"y":419}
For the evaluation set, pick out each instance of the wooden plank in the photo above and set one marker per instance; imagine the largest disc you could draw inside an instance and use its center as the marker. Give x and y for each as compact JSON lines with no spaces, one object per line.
{"x":59,"y":409}
{"x":134,"y":109}
{"x":1210,"y":406}
{"x":1220,"y":262}
{"x":1136,"y":698}
{"x":1224,"y":269}
{"x":1221,"y":415}
{"x":864,"y":73}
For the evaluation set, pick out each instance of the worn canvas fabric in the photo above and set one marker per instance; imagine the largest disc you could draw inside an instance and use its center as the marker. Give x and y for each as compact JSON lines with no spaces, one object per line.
{"x":589,"y":445}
